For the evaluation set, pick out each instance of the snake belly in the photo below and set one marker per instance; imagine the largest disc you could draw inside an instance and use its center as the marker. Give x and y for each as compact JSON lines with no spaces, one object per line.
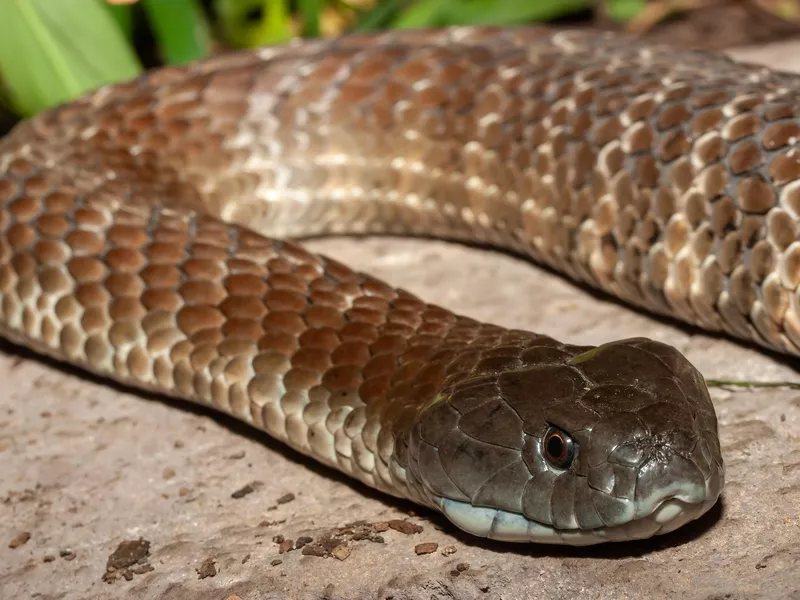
{"x":146,"y":237}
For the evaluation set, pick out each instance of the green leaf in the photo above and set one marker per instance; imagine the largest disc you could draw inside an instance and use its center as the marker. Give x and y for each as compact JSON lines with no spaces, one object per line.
{"x":251,"y":23}
{"x":180,"y":28}
{"x":311,"y":10}
{"x":51,"y":52}
{"x":425,"y":13}
{"x":380,"y":16}
{"x":624,"y":10}
{"x":510,"y":12}
{"x":123,"y":15}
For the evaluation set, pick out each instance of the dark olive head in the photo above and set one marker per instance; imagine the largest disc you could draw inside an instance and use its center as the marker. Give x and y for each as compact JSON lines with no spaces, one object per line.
{"x":572,"y":445}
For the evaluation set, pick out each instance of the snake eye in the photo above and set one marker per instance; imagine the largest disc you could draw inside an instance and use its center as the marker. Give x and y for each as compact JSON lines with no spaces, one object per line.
{"x":558,"y":448}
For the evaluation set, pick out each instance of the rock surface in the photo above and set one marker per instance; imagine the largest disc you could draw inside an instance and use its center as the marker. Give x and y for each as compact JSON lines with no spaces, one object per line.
{"x":109,"y":494}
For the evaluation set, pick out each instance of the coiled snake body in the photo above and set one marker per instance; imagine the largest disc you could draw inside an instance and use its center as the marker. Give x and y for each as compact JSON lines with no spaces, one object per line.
{"x":140,"y":240}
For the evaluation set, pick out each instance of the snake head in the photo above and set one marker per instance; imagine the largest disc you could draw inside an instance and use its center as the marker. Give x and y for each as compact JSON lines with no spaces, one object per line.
{"x":569,"y":445}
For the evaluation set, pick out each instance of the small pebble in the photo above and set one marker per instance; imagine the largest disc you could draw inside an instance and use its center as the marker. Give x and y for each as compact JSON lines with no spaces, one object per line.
{"x":276,"y":562}
{"x":19,"y":540}
{"x":49,"y":558}
{"x":243,"y":491}
{"x":426,"y":548}
{"x":302,"y":541}
{"x":278,"y":539}
{"x":341,"y":552}
{"x":67,"y":554}
{"x":246,"y":558}
{"x":128,"y":553}
{"x":404,"y":526}
{"x":207,"y":569}
{"x":285,"y":546}
{"x":285,"y":499}
{"x":449,"y":550}
{"x":314,"y":550}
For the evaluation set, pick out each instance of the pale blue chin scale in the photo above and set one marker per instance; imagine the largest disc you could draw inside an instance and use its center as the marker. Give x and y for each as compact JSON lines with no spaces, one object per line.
{"x":664,"y":512}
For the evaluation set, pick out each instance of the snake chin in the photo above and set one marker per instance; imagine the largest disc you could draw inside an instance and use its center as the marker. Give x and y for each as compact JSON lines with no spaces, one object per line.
{"x":669,"y":514}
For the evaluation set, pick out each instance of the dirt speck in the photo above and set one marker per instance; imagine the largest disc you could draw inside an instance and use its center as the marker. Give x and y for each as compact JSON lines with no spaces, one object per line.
{"x":19,"y":540}
{"x":168,"y":473}
{"x":129,"y":559}
{"x":405,"y":527}
{"x":248,"y":489}
{"x":285,"y":499}
{"x":426,"y":548}
{"x":267,"y":523}
{"x":762,"y":564}
{"x":207,"y":569}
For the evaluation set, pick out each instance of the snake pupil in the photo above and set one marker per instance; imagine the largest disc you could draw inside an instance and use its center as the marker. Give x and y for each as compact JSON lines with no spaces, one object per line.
{"x":555,"y":446}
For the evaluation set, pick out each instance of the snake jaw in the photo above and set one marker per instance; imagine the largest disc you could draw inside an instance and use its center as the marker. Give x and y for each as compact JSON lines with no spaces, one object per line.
{"x":662,"y":513}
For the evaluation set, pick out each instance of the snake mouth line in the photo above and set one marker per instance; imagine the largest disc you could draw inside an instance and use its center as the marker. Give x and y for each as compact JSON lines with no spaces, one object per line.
{"x":506,"y":526}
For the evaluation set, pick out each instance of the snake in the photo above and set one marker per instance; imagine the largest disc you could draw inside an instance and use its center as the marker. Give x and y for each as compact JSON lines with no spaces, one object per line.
{"x":152,"y":235}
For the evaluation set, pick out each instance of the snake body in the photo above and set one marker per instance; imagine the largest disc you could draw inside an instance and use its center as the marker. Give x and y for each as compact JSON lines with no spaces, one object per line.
{"x":145,"y":237}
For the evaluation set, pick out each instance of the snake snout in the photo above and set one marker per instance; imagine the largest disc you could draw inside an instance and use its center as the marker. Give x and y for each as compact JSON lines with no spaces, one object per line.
{"x":659,"y":427}
{"x":674,"y":486}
